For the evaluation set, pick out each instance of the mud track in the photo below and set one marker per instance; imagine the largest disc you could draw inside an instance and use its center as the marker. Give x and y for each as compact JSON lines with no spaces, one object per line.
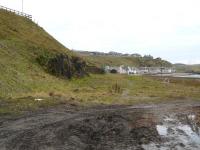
{"x":105,"y":128}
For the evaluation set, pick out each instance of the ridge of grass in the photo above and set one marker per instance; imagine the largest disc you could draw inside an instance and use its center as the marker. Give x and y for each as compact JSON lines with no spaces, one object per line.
{"x":146,"y":61}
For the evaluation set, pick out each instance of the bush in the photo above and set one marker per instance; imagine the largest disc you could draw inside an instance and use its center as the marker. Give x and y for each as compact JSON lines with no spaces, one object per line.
{"x":95,"y":70}
{"x":63,"y":65}
{"x":113,"y":71}
{"x":43,"y":59}
{"x":79,"y":66}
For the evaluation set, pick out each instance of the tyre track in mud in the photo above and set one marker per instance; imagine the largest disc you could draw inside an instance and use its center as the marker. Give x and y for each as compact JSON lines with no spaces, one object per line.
{"x":97,"y":128}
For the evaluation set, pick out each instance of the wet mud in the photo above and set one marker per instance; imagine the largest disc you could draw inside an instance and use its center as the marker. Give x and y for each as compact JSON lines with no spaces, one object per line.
{"x":162,"y":126}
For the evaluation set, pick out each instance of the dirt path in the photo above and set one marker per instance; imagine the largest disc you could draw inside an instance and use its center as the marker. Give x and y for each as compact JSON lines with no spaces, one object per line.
{"x":163,"y":126}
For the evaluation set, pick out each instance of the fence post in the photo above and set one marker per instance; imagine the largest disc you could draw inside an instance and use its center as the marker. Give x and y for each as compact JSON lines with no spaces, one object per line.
{"x":17,"y":12}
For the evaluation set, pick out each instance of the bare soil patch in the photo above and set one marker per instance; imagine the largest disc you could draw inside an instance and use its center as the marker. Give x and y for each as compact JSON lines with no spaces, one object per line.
{"x":161,"y":126}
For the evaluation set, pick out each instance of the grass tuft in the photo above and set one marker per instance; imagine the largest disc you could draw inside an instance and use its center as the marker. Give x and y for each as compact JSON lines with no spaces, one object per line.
{"x":116,"y":88}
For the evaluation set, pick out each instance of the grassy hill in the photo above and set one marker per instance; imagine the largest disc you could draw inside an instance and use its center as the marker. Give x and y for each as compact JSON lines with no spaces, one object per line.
{"x":139,"y":61}
{"x":187,"y":68}
{"x":24,"y":52}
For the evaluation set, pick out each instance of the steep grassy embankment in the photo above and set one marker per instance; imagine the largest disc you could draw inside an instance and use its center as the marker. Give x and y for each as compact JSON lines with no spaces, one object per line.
{"x":24,"y":50}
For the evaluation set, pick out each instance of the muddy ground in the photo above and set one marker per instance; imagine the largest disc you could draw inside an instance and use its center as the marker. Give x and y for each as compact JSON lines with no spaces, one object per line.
{"x":163,"y":126}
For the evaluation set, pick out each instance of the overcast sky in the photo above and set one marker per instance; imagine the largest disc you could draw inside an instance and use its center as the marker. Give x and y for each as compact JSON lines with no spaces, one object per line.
{"x":163,"y":28}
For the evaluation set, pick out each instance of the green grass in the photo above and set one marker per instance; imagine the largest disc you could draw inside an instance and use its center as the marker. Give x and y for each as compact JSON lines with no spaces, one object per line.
{"x":100,"y":89}
{"x":20,"y":105}
{"x":136,"y":89}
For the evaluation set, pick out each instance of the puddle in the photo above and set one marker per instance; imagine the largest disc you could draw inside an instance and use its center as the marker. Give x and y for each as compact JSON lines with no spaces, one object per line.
{"x":178,"y":132}
{"x":192,"y":117}
{"x":39,"y":99}
{"x":162,"y":130}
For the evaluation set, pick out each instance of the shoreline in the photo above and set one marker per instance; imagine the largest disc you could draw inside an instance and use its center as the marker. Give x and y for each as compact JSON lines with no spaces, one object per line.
{"x":180,"y":75}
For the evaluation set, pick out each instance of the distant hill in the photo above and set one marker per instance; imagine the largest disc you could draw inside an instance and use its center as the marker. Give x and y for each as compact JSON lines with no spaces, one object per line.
{"x":116,"y":59}
{"x":187,"y":68}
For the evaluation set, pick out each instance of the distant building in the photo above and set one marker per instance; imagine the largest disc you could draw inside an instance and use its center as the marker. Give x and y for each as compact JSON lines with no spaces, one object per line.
{"x":141,"y":70}
{"x":135,"y":55}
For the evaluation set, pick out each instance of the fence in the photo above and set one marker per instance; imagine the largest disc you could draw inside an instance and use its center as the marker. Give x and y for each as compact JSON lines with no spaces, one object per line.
{"x":17,"y":12}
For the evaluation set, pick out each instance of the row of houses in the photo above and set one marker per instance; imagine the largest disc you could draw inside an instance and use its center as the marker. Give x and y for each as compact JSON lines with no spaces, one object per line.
{"x":140,"y":70}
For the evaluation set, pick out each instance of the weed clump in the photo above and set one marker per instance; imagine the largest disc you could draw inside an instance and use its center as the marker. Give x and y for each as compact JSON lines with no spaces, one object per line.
{"x":51,"y":94}
{"x":116,"y":88}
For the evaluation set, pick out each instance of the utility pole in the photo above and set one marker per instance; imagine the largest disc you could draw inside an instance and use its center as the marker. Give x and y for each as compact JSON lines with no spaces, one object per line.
{"x":22,"y":5}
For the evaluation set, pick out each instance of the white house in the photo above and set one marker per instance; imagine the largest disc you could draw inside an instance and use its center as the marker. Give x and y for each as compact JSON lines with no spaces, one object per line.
{"x":123,"y":70}
{"x":142,"y":70}
{"x":132,"y":70}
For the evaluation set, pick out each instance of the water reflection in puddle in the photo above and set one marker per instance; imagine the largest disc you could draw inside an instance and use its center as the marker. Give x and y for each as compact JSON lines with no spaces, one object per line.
{"x":178,"y":132}
{"x":162,"y":130}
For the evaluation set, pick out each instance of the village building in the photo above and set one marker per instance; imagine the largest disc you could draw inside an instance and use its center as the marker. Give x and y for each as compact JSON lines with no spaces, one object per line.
{"x":140,"y":70}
